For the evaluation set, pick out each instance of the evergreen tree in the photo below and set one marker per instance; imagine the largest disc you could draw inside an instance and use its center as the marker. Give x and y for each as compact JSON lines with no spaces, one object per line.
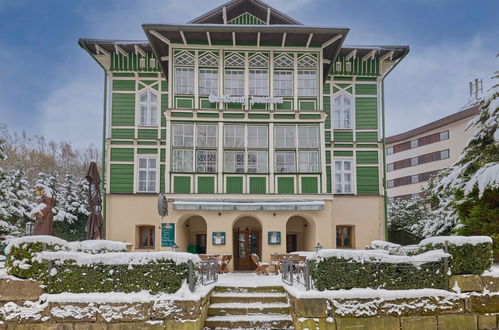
{"x":404,"y":214}
{"x":469,"y":190}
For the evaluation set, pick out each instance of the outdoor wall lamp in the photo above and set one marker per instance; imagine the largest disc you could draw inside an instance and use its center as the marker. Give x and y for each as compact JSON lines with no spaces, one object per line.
{"x":175,"y":247}
{"x":317,"y":247}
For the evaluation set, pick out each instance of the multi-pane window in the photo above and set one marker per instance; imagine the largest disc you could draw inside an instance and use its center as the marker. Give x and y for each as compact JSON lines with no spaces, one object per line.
{"x":148,"y":101}
{"x":283,"y":83}
{"x":206,"y":136}
{"x":182,"y":160}
{"x":147,"y":174}
{"x":234,"y":136}
{"x":342,"y":109}
{"x":444,"y":154}
{"x":344,"y":237}
{"x":307,"y":83}
{"x":285,"y":162}
{"x":234,"y":82}
{"x":343,"y":176}
{"x":234,"y":161}
{"x":258,"y":82}
{"x":208,"y":81}
{"x":206,"y":161}
{"x":258,"y":161}
{"x":184,"y":80}
{"x":257,"y":136}
{"x":444,"y":135}
{"x":285,"y":136}
{"x":308,"y":161}
{"x":308,"y":136}
{"x":183,"y":135}
{"x":146,"y":237}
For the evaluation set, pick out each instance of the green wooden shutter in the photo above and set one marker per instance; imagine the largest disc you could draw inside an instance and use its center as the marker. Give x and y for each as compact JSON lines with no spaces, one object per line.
{"x":309,"y":185}
{"x":366,"y":112}
{"x":122,"y":154}
{"x":121,"y":179}
{"x":234,"y":185}
{"x":286,"y":185}
{"x":258,"y":185}
{"x":123,"y":110}
{"x":367,"y":180}
{"x":182,"y":184}
{"x":367,"y":157}
{"x":206,"y":185}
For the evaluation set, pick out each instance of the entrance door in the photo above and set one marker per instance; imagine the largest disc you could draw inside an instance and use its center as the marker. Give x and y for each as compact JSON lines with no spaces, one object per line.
{"x":246,"y":243}
{"x":201,"y":243}
{"x":291,"y":243}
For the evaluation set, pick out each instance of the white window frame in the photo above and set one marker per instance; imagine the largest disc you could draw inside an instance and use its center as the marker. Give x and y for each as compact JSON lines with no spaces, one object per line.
{"x":206,"y":140}
{"x":184,"y":81}
{"x":262,"y":162}
{"x":308,"y":136}
{"x":342,"y":113}
{"x":307,"y":83}
{"x":234,"y":136}
{"x":231,"y":165}
{"x":234,"y":82}
{"x":287,"y":140}
{"x":390,"y":167}
{"x":208,"y":81}
{"x":306,"y":162}
{"x":285,"y":167}
{"x":151,"y":183}
{"x":444,"y":135}
{"x":258,"y":82}
{"x":182,"y":160}
{"x":445,"y":153}
{"x":177,"y":134}
{"x":148,"y":109}
{"x":261,"y":140}
{"x":203,"y":165}
{"x":283,"y":83}
{"x":342,"y":173}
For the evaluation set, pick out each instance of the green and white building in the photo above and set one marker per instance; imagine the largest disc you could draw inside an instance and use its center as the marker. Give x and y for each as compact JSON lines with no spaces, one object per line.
{"x":266,"y":135}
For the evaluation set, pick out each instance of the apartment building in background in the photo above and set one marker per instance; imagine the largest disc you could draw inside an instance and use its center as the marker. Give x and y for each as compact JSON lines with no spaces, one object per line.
{"x":416,"y":155}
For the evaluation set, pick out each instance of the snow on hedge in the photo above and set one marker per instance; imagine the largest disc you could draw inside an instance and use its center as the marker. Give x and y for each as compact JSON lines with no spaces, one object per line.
{"x":49,"y":240}
{"x":116,"y":258}
{"x":456,"y":240}
{"x":98,"y":245}
{"x":382,"y":256}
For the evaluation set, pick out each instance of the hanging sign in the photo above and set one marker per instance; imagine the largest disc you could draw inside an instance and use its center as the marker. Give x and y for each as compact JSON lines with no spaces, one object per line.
{"x":244,"y":99}
{"x":167,"y":234}
{"x":162,"y":205}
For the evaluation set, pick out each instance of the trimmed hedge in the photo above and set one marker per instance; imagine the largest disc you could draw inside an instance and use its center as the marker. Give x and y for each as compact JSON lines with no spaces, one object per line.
{"x":336,"y":273}
{"x":155,"y":277}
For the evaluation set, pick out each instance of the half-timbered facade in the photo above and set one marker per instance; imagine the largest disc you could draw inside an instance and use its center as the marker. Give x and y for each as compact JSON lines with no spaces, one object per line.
{"x":266,"y":135}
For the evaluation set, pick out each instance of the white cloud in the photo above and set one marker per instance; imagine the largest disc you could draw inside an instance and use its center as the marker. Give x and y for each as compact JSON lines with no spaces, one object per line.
{"x":432,"y":82}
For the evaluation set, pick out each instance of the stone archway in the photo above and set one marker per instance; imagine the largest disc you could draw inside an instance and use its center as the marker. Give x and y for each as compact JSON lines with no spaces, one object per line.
{"x":192,"y":235}
{"x":247,"y":241}
{"x":300,"y":234}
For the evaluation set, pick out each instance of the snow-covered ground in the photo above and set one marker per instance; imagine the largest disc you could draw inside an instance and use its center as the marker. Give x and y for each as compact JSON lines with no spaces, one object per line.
{"x":248,"y":280}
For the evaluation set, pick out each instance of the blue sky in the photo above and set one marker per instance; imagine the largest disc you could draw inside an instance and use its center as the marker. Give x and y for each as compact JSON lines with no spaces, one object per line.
{"x":50,"y":86}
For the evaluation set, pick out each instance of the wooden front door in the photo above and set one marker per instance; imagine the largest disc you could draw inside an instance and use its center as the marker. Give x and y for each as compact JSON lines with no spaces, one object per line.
{"x":291,"y":243}
{"x":201,"y":243}
{"x":246,"y":243}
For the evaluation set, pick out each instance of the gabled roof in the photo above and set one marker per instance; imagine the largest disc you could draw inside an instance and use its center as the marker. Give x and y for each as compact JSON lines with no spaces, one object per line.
{"x":235,"y":8}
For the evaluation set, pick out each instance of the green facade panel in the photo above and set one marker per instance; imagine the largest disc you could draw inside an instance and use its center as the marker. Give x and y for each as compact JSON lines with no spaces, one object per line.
{"x":123,"y":85}
{"x":366,"y":112}
{"x":307,"y":104}
{"x":122,"y":154}
{"x":121,"y":178}
{"x":328,"y":180}
{"x":367,"y":136}
{"x":182,"y":184}
{"x":184,"y":103}
{"x":234,"y":185}
{"x":144,"y":133}
{"x":206,"y":104}
{"x":162,"y":178}
{"x":257,"y":185}
{"x":162,"y":155}
{"x":122,"y":142}
{"x":123,"y":109}
{"x":309,"y":185}
{"x":286,"y":105}
{"x":147,"y":151}
{"x":366,"y":89}
{"x":122,"y":133}
{"x":342,"y":136}
{"x":285,"y":185}
{"x":367,"y":180}
{"x":206,"y":184}
{"x":343,"y":153}
{"x":246,"y":19}
{"x":367,"y":157}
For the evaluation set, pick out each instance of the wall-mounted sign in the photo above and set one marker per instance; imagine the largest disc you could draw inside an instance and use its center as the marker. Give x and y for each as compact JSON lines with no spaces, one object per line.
{"x":167,"y":234}
{"x":218,"y":238}
{"x":274,"y":237}
{"x":244,"y":99}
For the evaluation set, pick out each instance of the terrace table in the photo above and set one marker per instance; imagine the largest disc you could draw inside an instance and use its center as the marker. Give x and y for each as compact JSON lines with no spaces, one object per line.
{"x":206,"y":257}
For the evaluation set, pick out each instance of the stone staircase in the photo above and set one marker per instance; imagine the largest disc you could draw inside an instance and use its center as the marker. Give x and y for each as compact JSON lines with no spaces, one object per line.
{"x":264,"y":307}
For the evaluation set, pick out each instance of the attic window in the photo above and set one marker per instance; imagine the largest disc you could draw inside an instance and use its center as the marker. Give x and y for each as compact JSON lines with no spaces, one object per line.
{"x":142,"y":62}
{"x":259,"y":61}
{"x":348,"y":66}
{"x":338,"y":66}
{"x":184,"y":58}
{"x":208,"y":59}
{"x":307,"y":61}
{"x":234,"y":60}
{"x":152,"y":62}
{"x":283,"y":61}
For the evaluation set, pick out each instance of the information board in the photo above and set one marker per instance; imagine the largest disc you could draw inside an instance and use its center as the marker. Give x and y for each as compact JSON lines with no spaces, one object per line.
{"x":167,"y":234}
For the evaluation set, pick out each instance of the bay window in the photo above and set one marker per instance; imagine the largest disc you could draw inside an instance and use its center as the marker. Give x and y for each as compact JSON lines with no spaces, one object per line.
{"x":206,"y":161}
{"x":308,"y":161}
{"x":308,"y":136}
{"x":257,"y":136}
{"x":258,"y":161}
{"x":206,"y":136}
{"x":234,"y":161}
{"x":208,"y":81}
{"x":283,"y":83}
{"x":285,"y":136}
{"x":182,"y":160}
{"x":258,"y":82}
{"x":184,"y":81}
{"x":234,"y":136}
{"x":234,"y":82}
{"x":307,"y":83}
{"x":183,"y":135}
{"x":285,"y":162}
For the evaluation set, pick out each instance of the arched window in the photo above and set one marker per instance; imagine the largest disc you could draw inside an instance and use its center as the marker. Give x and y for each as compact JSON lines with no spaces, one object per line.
{"x":342,"y":111}
{"x":148,"y":108}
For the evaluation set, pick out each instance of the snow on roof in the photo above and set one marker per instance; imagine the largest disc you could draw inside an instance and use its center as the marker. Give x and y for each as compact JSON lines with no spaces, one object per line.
{"x":117,"y":258}
{"x":16,"y":242}
{"x":382,"y":256}
{"x":97,"y":245}
{"x":456,"y":240}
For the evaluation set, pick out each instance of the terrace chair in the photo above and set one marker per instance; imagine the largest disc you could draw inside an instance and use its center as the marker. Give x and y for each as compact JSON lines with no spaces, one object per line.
{"x":274,"y":261}
{"x":222,"y":264}
{"x":261,"y":267}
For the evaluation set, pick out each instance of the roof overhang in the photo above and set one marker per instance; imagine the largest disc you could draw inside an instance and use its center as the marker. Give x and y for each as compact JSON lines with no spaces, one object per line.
{"x":330,"y":40}
{"x":245,"y":205}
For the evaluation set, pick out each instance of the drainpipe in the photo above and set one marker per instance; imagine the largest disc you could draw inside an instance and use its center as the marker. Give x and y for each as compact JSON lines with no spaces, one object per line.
{"x":384,"y":140}
{"x":103,"y":163}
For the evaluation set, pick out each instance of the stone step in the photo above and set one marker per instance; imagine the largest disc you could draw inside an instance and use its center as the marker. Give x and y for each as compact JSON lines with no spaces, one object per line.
{"x":250,"y":321}
{"x":248,"y":297}
{"x":248,"y":308}
{"x":249,"y":289}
